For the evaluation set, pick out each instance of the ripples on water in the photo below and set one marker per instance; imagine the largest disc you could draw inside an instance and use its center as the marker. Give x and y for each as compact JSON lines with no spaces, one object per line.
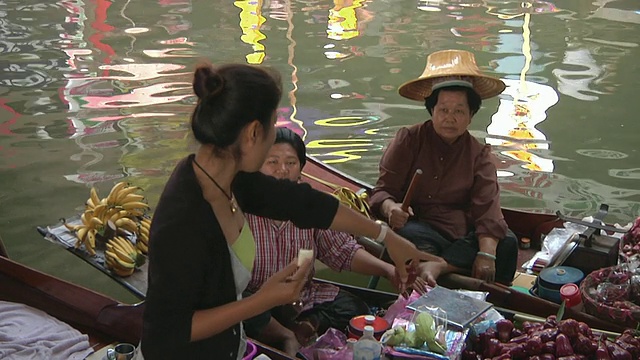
{"x":96,"y":91}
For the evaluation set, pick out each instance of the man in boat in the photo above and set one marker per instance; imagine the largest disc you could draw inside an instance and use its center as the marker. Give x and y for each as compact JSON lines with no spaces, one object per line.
{"x":277,"y":242}
{"x":455,"y":210}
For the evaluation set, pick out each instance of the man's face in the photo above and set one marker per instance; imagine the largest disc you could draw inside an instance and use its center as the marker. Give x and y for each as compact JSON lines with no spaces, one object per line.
{"x":451,"y":115}
{"x":282,"y":162}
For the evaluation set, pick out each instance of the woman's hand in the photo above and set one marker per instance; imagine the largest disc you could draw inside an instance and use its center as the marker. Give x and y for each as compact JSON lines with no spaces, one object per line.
{"x":284,"y":286}
{"x":484,"y":268}
{"x":414,"y":282}
{"x":406,"y":257}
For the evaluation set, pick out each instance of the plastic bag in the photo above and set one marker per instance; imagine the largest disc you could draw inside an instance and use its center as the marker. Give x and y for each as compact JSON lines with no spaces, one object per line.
{"x":332,"y":345}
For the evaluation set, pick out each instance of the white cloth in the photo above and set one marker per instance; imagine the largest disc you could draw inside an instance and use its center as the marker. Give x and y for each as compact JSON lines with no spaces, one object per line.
{"x":27,"y":333}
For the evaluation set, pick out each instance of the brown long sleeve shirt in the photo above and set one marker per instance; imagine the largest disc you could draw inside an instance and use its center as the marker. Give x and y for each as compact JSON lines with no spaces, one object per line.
{"x":458,"y":190}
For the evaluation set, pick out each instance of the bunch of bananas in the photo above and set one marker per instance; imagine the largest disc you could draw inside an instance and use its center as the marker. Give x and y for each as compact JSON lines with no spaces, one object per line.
{"x":117,"y":213}
{"x":142,"y":242}
{"x":121,"y":256}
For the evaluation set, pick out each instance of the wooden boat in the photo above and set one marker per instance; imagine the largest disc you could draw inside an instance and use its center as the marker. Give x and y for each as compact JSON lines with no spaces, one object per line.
{"x":103,"y":319}
{"x":523,"y":224}
{"x":107,"y":320}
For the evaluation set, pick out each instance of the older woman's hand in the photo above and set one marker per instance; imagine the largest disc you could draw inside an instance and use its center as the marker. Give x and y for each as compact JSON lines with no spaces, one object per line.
{"x":484,"y":268}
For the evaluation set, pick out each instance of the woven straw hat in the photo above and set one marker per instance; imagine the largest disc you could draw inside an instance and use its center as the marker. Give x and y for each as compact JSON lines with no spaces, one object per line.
{"x":448,"y":68}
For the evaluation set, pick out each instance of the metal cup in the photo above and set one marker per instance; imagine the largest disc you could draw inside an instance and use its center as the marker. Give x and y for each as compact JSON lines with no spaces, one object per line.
{"x":122,"y":351}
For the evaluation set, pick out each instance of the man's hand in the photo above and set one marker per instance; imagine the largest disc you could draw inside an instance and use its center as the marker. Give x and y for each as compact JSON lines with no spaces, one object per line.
{"x":484,"y":268}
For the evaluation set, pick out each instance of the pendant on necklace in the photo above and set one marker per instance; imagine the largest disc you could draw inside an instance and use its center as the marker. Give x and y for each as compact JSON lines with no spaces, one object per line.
{"x":232,"y":203}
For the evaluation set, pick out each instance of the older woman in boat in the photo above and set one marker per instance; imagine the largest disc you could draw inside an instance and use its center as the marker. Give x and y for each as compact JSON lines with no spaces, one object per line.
{"x":201,"y":248}
{"x":456,"y":213}
{"x":277,"y":242}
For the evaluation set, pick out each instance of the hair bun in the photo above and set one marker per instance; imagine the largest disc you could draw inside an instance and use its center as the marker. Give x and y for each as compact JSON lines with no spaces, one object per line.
{"x":206,"y":81}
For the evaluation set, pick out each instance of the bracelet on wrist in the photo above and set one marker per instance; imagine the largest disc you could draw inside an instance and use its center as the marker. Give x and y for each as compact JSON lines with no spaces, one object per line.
{"x":383,"y":231}
{"x":486,"y":254}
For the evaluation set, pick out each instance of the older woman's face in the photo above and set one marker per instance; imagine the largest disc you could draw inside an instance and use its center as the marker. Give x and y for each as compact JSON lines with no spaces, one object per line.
{"x":451,"y":115}
{"x":282,"y":162}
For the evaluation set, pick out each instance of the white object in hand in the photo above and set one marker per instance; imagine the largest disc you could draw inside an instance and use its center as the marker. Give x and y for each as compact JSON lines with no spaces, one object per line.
{"x":303,"y":255}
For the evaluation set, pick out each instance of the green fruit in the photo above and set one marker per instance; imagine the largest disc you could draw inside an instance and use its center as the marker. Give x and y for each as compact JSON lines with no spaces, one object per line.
{"x":411,"y":339}
{"x":393,"y":337}
{"x":436,"y":347}
{"x":425,"y":326}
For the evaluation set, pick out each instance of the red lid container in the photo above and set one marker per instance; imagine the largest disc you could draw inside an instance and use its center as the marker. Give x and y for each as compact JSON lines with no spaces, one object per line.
{"x":570,"y":293}
{"x":357,"y":324}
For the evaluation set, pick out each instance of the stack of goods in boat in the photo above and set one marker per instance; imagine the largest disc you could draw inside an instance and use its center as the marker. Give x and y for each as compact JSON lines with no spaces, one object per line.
{"x":117,"y":226}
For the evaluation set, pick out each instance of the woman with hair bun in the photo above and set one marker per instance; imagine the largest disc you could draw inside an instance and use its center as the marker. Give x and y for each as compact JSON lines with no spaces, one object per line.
{"x":201,"y":248}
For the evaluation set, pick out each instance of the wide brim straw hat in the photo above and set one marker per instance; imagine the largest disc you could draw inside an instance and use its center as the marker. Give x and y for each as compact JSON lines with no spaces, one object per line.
{"x":449,"y":68}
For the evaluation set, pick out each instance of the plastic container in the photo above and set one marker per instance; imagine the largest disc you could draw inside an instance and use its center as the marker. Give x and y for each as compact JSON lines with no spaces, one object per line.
{"x":552,"y":279}
{"x":251,"y":351}
{"x":570,"y":294}
{"x":367,"y":347}
{"x":357,"y":324}
{"x":525,"y":243}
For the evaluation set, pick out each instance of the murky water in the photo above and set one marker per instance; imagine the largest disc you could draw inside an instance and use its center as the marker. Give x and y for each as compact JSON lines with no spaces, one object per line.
{"x":96,"y":91}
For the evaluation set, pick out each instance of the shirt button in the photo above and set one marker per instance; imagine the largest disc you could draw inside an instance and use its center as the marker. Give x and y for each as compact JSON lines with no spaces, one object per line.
{"x":234,"y":332}
{"x":435,"y":177}
{"x":231,"y":355}
{"x":441,"y":158}
{"x":429,"y":196}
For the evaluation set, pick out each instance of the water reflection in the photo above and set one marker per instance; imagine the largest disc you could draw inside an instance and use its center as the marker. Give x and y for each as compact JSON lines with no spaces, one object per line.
{"x":97,"y":91}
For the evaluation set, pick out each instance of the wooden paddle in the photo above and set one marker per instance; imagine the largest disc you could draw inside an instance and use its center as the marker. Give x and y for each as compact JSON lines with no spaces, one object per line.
{"x":411,"y":189}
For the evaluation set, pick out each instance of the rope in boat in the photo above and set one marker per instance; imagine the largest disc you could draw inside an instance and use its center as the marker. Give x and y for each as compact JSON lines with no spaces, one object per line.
{"x":348,"y":197}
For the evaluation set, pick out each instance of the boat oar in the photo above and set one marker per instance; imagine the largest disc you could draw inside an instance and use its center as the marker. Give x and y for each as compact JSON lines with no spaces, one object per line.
{"x":412,"y":187}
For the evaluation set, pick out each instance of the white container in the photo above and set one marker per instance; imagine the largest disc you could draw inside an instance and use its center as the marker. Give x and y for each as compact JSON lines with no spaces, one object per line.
{"x":367,"y":347}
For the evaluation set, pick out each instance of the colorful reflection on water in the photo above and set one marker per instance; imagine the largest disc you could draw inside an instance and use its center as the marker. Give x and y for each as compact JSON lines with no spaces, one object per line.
{"x":95,"y":91}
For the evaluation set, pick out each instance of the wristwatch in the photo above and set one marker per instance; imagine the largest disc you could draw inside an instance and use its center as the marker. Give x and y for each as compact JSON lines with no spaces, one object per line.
{"x":383,"y":231}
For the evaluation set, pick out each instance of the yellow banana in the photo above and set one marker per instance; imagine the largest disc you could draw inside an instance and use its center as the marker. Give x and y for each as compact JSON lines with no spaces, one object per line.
{"x":96,"y":222}
{"x":125,"y":257}
{"x":125,"y":244}
{"x":86,"y":217}
{"x":117,"y":260}
{"x":127,"y":224}
{"x":93,"y":196}
{"x":69,"y":226}
{"x":90,"y":204}
{"x":117,"y":215}
{"x":91,"y":239}
{"x":143,"y":231}
{"x":82,"y":232}
{"x":122,"y":272}
{"x":142,"y":247}
{"x":114,"y":192}
{"x":112,"y":244}
{"x":100,"y":210}
{"x":135,"y":205}
{"x":126,"y":192}
{"x":145,"y":223}
{"x":135,"y":213}
{"x":131,"y":198}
